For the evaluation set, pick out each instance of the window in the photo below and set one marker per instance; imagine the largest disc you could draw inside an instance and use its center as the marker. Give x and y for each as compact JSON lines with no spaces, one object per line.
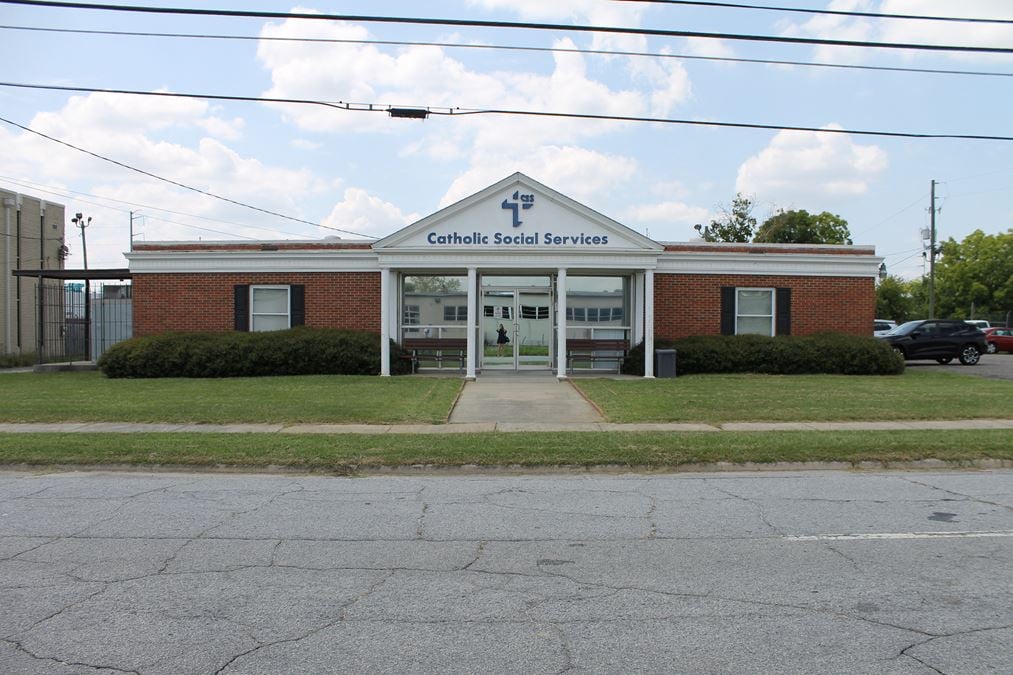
{"x":269,"y":308}
{"x":455,"y":312}
{"x":411,"y":315}
{"x":754,"y":311}
{"x":498,"y":311}
{"x":534,"y":312}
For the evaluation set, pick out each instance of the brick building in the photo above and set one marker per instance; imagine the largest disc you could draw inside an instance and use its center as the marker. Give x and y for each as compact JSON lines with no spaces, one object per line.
{"x":516,"y":257}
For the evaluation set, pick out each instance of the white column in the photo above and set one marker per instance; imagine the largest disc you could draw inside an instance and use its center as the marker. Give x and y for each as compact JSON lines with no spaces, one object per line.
{"x":384,"y":322}
{"x":638,"y":313}
{"x":649,"y":324}
{"x":561,"y":323}
{"x":472,"y":321}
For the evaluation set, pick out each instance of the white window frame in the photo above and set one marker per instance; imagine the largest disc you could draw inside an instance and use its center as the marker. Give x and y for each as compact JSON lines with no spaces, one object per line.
{"x":288,"y":300}
{"x":460,"y":312}
{"x":773,"y":310}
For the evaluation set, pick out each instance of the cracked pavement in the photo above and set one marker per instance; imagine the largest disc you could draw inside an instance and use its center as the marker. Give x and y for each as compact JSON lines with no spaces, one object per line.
{"x":724,"y":573}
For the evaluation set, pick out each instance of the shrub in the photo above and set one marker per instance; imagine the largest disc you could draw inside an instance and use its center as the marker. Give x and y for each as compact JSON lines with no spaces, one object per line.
{"x":823,"y":353}
{"x":298,"y":351}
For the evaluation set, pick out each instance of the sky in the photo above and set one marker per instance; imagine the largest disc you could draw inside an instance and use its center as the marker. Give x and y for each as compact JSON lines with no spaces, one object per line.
{"x":359,"y":174}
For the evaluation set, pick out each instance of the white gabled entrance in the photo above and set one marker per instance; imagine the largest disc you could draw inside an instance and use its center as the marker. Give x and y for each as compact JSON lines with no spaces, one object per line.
{"x":458,"y":274}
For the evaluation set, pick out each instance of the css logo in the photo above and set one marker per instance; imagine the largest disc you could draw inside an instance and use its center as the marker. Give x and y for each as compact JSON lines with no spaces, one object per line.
{"x":517,"y":202}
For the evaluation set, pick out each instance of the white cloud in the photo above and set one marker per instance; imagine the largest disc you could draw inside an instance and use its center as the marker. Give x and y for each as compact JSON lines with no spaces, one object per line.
{"x":428,"y":76}
{"x":910,"y":31}
{"x":304,"y":144}
{"x":584,"y":12}
{"x":229,"y":130}
{"x":113,"y":126}
{"x":709,"y":47}
{"x":801,"y":166}
{"x":580,"y":173}
{"x":363,"y":213}
{"x":674,"y":213}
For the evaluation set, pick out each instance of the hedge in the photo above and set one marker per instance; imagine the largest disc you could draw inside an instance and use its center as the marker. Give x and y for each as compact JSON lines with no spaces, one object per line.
{"x":297,"y":351}
{"x":824,"y":353}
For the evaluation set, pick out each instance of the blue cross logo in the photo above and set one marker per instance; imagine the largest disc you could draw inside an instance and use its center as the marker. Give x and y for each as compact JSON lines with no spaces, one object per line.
{"x":519,"y":202}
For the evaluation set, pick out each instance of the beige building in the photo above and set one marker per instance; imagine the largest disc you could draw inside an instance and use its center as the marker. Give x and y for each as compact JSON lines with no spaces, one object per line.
{"x":31,"y":238}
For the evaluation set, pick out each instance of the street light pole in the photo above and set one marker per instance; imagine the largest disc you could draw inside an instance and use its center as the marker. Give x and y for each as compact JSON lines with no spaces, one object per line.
{"x":79,"y":220}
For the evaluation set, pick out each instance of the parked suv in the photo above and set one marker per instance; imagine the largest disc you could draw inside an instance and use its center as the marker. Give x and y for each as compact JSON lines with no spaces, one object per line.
{"x":883,"y":326}
{"x":938,"y":339}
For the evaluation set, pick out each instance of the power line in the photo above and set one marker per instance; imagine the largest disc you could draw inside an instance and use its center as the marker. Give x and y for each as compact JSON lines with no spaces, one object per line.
{"x":423,"y":112}
{"x":35,"y":186}
{"x":113,"y":208}
{"x":834,"y":12}
{"x":177,"y":183}
{"x":478,"y":23}
{"x":564,"y":50}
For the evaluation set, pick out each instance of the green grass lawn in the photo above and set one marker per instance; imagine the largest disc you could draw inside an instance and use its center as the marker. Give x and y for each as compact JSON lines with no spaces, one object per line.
{"x":806,"y":398}
{"x":91,"y":397}
{"x":347,"y":453}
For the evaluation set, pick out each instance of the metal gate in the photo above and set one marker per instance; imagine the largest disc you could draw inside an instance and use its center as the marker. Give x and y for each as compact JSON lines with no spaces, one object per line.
{"x":79,"y":321}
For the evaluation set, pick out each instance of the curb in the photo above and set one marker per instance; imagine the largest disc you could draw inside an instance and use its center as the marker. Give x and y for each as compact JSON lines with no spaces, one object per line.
{"x":353,"y":471}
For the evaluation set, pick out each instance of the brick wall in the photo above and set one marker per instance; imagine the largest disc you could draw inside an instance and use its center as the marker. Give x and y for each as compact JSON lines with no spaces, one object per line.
{"x":189,"y":302}
{"x":690,"y":304}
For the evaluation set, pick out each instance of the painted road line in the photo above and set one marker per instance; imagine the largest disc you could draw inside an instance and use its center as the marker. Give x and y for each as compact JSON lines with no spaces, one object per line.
{"x":901,"y":535}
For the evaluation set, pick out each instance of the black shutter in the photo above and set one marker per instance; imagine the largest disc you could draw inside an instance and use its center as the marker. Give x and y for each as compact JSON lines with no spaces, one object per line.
{"x":297,"y":294}
{"x":782,"y":325}
{"x":242,"y":307}
{"x":728,"y":310}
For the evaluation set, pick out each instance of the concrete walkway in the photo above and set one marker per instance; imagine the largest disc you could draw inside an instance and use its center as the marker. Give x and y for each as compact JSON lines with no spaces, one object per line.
{"x":525,"y":398}
{"x":489,"y":427}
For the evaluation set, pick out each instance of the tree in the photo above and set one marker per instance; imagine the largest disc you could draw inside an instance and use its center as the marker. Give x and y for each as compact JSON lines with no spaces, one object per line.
{"x":802,"y":227}
{"x":975,"y":275}
{"x":736,"y":225}
{"x":895,"y":300}
{"x":432,"y":284}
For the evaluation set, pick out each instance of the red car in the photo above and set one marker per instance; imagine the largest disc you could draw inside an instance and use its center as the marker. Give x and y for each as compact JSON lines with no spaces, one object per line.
{"x":999,"y":339}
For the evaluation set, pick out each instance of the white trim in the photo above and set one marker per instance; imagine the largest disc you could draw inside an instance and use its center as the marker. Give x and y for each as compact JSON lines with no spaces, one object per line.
{"x":359,"y":260}
{"x":770,"y":264}
{"x":518,"y":260}
{"x":196,"y":262}
{"x":773,"y":309}
{"x":271,"y":287}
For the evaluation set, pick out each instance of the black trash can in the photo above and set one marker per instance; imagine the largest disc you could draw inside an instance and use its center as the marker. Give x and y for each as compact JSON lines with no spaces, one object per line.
{"x":664,"y":363}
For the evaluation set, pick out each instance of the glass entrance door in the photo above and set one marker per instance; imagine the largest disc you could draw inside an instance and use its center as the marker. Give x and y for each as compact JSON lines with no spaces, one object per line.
{"x":515,"y":325}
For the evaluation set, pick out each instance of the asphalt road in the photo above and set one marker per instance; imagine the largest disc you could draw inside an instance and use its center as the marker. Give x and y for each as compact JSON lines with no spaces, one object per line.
{"x":715,"y":573}
{"x":991,"y":366}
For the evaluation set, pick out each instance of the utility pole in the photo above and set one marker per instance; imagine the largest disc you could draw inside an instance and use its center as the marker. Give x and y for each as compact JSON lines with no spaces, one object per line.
{"x":79,"y":220}
{"x":932,"y":252}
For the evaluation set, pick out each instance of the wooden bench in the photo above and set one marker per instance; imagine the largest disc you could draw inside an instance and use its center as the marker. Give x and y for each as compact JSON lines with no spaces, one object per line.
{"x":596,"y":350}
{"x":436,"y":349}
